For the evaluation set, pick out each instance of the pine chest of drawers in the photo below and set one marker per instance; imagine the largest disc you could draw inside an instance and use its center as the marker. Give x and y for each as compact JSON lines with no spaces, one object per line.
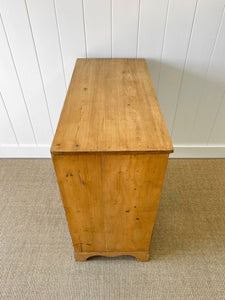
{"x":110,"y":153}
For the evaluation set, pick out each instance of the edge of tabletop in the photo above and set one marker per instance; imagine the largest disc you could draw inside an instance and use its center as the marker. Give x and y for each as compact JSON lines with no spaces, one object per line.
{"x":54,"y":151}
{"x":119,"y":152}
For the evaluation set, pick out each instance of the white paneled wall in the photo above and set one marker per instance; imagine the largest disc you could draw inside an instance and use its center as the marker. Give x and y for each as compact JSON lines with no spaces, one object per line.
{"x":182,"y":40}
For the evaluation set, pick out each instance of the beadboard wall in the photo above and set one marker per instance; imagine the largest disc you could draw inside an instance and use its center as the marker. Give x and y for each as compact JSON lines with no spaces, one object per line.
{"x":182,"y":40}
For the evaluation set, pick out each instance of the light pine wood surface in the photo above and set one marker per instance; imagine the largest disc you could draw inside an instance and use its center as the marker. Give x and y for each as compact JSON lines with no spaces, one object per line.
{"x":110,"y":154}
{"x":111,"y":201}
{"x":111,"y":106}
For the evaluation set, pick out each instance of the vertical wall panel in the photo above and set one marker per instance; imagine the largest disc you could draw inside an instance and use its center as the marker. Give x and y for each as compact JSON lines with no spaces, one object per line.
{"x":182,"y":41}
{"x":98,"y":23}
{"x":177,"y":37}
{"x":217,"y":134}
{"x":11,"y":93}
{"x":71,"y":30}
{"x":152,"y":24}
{"x":44,"y":28}
{"x":208,"y":16}
{"x":213,"y":90}
{"x":6,"y":132}
{"x":20,"y":39}
{"x":125,"y":18}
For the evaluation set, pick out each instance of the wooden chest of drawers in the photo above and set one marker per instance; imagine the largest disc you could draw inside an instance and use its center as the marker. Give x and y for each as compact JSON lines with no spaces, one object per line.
{"x":110,"y":153}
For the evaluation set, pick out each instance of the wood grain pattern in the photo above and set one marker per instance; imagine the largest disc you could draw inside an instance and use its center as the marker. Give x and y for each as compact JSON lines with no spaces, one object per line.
{"x":111,"y":106}
{"x":110,"y":201}
{"x":110,"y":153}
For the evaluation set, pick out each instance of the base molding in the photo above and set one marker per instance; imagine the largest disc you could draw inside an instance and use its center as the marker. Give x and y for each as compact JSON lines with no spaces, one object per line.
{"x":180,"y":151}
{"x":25,"y":151}
{"x":83,"y":256}
{"x":198,"y":151}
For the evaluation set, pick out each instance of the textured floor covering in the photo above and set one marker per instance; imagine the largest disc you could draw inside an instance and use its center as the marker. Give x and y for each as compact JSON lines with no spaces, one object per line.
{"x":187,"y":250}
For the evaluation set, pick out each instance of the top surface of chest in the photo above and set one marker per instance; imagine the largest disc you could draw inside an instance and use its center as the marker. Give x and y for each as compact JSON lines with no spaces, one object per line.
{"x":111,"y":106}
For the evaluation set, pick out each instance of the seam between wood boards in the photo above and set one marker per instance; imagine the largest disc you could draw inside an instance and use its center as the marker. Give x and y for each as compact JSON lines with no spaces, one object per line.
{"x":10,"y":122}
{"x":214,"y":121}
{"x":223,"y":95}
{"x":138,"y":28}
{"x":18,"y":79}
{"x":163,"y":42}
{"x":39,"y":67}
{"x":206,"y":75}
{"x":184,"y":67}
{"x":84,"y":25}
{"x":111,"y":28}
{"x":60,"y":44}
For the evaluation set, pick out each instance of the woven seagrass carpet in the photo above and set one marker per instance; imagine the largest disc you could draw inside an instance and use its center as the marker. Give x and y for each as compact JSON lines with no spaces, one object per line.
{"x":187,"y":250}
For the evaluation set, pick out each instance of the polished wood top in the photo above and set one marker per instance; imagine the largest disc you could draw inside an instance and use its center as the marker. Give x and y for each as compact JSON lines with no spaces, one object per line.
{"x":111,"y":106}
